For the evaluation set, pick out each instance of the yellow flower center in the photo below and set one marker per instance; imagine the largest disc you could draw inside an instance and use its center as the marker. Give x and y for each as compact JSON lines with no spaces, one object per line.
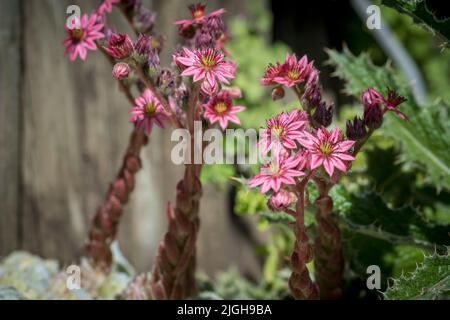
{"x":155,"y":43}
{"x":77,"y":35}
{"x":278,"y":131}
{"x":220,"y":107}
{"x":198,"y":14}
{"x":326,"y":148}
{"x":293,"y":75}
{"x":208,"y":62}
{"x":273,"y":169}
{"x":150,"y":109}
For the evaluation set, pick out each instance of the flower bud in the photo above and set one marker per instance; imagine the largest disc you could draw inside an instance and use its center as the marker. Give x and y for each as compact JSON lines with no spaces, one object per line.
{"x":277,"y":93}
{"x":178,"y":64}
{"x":205,"y":40}
{"x":208,"y":89}
{"x":187,"y":31}
{"x":215,"y":26}
{"x":280,"y":201}
{"x":143,"y":45}
{"x":120,"y":46}
{"x":153,"y":59}
{"x":373,"y":113}
{"x":121,"y":71}
{"x":373,"y":116}
{"x":312,"y":95}
{"x":166,"y":81}
{"x":372,"y":97}
{"x":356,"y":129}
{"x":324,"y":114}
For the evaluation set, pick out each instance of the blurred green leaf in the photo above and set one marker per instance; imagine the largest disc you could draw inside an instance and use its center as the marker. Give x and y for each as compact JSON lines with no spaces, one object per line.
{"x":418,"y":10}
{"x":366,"y":213}
{"x":249,"y":202}
{"x":217,"y":175}
{"x":424,"y":138}
{"x":431,"y":280}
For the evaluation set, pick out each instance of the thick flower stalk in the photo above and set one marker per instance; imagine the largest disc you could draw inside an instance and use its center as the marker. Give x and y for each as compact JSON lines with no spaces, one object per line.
{"x":189,"y":91}
{"x":92,"y":33}
{"x":300,"y":283}
{"x":104,"y":226}
{"x":173,"y":275}
{"x":302,"y":150}
{"x":328,"y":263}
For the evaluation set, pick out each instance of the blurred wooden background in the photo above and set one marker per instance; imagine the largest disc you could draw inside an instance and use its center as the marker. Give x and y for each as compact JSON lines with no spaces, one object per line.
{"x":63,"y":129}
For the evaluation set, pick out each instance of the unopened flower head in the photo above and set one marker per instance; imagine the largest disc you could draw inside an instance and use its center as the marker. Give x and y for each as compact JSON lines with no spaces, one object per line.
{"x":121,"y":70}
{"x":277,"y":93}
{"x":143,"y":45}
{"x":220,"y":109}
{"x":323,"y":115}
{"x":215,"y":26}
{"x":205,"y":39}
{"x":120,"y":46}
{"x":355,"y":130}
{"x":373,"y":114}
{"x":82,"y":38}
{"x":280,"y":201}
{"x":312,"y":95}
{"x":209,"y":89}
{"x":328,"y":149}
{"x":148,"y":110}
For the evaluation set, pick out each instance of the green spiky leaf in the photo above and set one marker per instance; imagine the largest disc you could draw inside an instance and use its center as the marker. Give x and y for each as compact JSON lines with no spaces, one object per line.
{"x":421,"y":14}
{"x":431,"y":280}
{"x":424,"y":138}
{"x":366,"y":213}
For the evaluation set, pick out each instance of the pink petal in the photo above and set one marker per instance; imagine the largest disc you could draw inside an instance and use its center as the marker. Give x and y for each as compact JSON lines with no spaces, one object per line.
{"x":345,"y":145}
{"x":339,"y":164}
{"x":316,"y":161}
{"x":329,"y":168}
{"x":344,"y":156}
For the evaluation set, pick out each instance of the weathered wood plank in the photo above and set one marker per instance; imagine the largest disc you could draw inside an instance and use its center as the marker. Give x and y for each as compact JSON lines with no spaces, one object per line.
{"x":75,"y":130}
{"x":10,"y":113}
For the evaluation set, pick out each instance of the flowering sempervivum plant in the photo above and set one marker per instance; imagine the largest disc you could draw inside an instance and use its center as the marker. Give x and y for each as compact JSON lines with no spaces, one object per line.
{"x":301,"y":150}
{"x":192,"y":89}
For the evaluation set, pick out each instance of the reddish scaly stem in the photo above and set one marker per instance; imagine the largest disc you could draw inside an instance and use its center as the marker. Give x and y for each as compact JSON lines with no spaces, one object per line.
{"x":105,"y":223}
{"x":174,"y":272}
{"x":300,"y":283}
{"x":328,"y":263}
